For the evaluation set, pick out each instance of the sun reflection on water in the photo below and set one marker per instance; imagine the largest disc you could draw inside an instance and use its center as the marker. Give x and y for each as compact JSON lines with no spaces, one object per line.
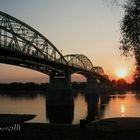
{"x":122,"y":109}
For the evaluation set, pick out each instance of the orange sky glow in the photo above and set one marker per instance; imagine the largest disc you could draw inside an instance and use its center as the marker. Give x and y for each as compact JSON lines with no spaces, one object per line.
{"x":94,"y":32}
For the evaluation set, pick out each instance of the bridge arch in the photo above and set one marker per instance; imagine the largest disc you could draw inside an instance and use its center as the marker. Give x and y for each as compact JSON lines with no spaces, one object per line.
{"x":98,"y":69}
{"x":85,"y":68}
{"x":22,"y":45}
{"x":79,"y":61}
{"x":17,"y":35}
{"x":84,"y":65}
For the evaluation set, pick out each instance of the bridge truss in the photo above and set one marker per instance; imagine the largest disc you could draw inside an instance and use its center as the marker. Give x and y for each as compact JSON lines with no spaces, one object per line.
{"x":22,"y":45}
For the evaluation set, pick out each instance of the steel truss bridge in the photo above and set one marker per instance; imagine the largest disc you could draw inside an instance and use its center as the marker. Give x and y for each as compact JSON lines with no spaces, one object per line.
{"x":22,"y":45}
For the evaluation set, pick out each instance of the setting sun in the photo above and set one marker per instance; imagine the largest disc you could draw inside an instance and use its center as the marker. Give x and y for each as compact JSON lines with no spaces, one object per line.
{"x":121,"y":73}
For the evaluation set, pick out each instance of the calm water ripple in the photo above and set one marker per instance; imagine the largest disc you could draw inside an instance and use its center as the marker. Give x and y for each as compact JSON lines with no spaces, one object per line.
{"x":89,"y":107}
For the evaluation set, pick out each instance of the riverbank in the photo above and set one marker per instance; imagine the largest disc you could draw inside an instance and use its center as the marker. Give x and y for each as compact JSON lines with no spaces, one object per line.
{"x":107,"y":129}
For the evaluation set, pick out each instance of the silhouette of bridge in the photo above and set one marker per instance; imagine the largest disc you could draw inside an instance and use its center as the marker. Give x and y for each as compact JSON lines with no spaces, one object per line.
{"x":22,"y":45}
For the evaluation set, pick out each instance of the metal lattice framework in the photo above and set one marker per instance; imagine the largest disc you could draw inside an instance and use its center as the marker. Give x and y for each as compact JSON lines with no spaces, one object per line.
{"x":18,"y":36}
{"x":80,"y":61}
{"x":98,"y":70}
{"x":22,"y":45}
{"x":83,"y":62}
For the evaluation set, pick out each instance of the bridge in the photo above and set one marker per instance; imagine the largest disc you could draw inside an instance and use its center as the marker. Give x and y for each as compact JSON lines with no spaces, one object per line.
{"x":22,"y":45}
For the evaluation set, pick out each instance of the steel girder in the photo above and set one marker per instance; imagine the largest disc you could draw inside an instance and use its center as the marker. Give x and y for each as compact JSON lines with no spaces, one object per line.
{"x":22,"y":45}
{"x":84,"y":66}
{"x":84,"y":63}
{"x":79,"y":61}
{"x":16,"y":35}
{"x":98,"y":70}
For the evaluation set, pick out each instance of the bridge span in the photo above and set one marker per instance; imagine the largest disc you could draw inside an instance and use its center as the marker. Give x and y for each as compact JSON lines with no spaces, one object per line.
{"x":22,"y":45}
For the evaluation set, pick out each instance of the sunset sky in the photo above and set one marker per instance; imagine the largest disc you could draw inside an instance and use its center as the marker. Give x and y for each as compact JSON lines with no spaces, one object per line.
{"x":89,"y":27}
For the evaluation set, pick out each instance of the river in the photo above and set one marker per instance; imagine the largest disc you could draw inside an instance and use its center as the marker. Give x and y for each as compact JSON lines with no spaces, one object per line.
{"x":91,"y":107}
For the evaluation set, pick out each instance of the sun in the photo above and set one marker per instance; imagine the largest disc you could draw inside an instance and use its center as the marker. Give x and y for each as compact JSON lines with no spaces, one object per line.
{"x":121,"y":73}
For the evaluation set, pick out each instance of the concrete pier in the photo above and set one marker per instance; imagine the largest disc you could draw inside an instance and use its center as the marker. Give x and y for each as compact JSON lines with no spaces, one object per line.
{"x":92,"y":106}
{"x":60,"y":82}
{"x":92,"y":86}
{"x":59,"y":100}
{"x":60,"y":91}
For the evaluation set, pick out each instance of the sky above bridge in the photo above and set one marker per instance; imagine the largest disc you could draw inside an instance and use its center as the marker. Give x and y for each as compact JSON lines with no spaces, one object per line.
{"x":89,"y":27}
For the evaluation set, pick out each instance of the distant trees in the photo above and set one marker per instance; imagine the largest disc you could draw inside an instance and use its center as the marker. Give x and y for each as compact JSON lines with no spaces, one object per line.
{"x":30,"y":86}
{"x":136,"y":84}
{"x":78,"y":85}
{"x":23,"y":86}
{"x":121,"y":84}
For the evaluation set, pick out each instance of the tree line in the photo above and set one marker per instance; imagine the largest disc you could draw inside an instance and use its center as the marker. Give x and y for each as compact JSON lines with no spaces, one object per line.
{"x":15,"y":86}
{"x":119,"y":84}
{"x":23,"y":86}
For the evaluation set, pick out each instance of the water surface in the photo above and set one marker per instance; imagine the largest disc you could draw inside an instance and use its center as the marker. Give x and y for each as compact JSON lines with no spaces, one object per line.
{"x":91,"y":107}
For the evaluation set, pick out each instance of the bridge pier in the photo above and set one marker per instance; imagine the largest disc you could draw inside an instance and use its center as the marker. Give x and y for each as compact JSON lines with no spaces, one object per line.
{"x":92,"y":106}
{"x":92,"y":86}
{"x":59,"y":100}
{"x":60,"y":82}
{"x":60,"y":91}
{"x":92,"y":98}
